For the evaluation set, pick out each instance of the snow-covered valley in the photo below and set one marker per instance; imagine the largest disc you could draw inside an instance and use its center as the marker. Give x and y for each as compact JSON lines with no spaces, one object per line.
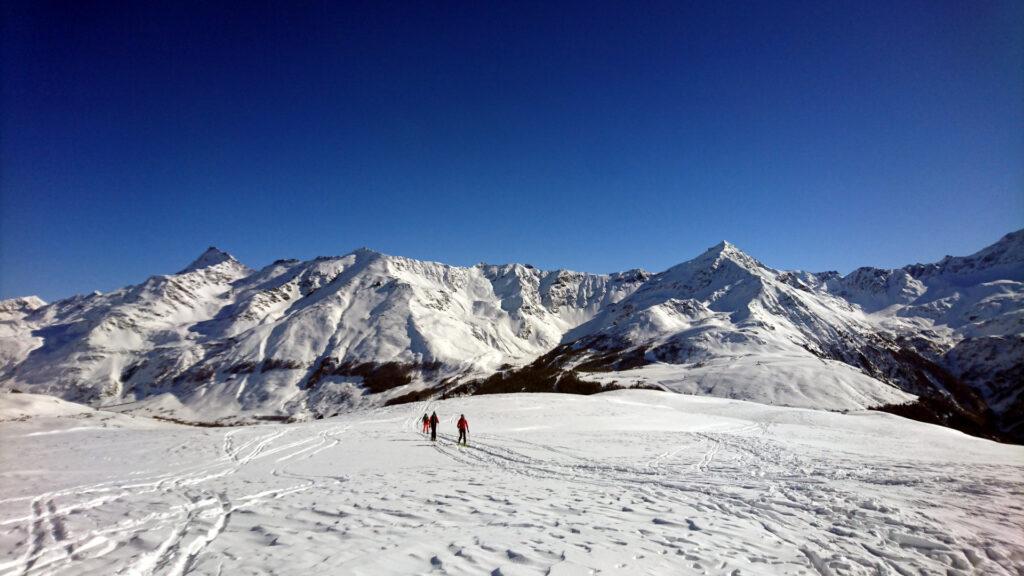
{"x":624,"y":482}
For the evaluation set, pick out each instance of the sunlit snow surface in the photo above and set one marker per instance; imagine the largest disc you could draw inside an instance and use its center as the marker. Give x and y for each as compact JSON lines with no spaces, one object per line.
{"x":629,"y":482}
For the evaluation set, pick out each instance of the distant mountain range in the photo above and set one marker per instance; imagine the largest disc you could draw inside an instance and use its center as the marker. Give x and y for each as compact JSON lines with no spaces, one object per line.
{"x":221,"y":342}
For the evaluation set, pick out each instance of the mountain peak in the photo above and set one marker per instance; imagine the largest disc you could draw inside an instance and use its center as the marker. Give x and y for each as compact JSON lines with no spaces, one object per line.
{"x":366,"y":251}
{"x":727,"y":250}
{"x":723,"y":247}
{"x":25,"y":304}
{"x":211,"y":257}
{"x":1004,"y":259}
{"x":722,"y":258}
{"x":723,"y":255}
{"x":1008,"y":249}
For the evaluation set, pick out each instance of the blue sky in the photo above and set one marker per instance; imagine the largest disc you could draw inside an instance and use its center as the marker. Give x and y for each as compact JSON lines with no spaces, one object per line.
{"x":592,"y":136}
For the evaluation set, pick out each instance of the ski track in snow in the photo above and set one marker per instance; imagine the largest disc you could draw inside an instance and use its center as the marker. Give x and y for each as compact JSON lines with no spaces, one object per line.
{"x":369,"y":494}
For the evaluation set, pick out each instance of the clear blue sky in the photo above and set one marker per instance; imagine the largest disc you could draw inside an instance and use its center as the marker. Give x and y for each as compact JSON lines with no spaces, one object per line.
{"x":593,"y":136}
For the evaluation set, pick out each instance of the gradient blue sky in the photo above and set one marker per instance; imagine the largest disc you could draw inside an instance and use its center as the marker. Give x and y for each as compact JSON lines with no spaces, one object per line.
{"x":593,"y":136}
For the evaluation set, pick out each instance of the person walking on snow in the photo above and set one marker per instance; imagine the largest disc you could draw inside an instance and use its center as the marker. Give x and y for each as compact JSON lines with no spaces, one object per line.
{"x":426,"y":423}
{"x":433,"y":426}
{"x":463,"y":426}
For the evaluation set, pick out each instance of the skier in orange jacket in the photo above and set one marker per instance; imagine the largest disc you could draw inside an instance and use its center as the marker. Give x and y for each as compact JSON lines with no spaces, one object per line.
{"x":463,"y":427}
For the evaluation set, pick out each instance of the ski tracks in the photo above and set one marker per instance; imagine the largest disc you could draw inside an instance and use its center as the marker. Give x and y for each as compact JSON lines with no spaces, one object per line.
{"x":710,"y":501}
{"x":714,"y":445}
{"x":190,"y":527}
{"x":809,"y":508}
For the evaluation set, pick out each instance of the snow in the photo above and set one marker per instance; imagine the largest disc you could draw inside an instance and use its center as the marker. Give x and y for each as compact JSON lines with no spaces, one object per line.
{"x":24,"y":406}
{"x":786,"y":380}
{"x":228,"y":342}
{"x":50,"y":415}
{"x":211,"y":257}
{"x":723,"y":324}
{"x":21,"y":305}
{"x":205,"y":333}
{"x":16,"y":339}
{"x":626,"y":482}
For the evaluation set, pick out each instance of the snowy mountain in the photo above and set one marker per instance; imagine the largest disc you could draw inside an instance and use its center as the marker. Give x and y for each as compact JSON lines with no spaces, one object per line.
{"x":724,"y":324}
{"x":81,"y":347}
{"x":308,"y":338}
{"x":298,"y":337}
{"x":727,"y":325}
{"x":16,"y":339}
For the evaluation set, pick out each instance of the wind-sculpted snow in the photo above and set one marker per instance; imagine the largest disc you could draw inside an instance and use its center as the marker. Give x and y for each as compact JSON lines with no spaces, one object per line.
{"x":628,"y":482}
{"x":305,"y":339}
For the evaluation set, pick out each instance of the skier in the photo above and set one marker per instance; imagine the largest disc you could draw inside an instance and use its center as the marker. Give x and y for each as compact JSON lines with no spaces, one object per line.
{"x":426,"y":423}
{"x":433,"y":426}
{"x":463,"y":426}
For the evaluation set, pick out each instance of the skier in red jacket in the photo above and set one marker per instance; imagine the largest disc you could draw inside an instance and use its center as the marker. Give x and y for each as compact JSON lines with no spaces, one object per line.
{"x":426,"y":423}
{"x":463,"y":426}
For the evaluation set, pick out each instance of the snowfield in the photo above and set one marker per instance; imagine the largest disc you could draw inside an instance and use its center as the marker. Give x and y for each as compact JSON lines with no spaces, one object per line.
{"x":626,"y":482}
{"x":800,"y":381}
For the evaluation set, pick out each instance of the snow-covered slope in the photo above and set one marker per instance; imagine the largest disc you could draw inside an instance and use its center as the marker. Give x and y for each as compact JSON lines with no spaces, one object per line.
{"x":41,"y":415}
{"x":725,"y":324}
{"x":301,"y":337}
{"x":315,"y":336}
{"x":967,"y":315}
{"x":311,"y":338}
{"x":16,"y":339}
{"x":625,"y":482}
{"x":90,"y":342}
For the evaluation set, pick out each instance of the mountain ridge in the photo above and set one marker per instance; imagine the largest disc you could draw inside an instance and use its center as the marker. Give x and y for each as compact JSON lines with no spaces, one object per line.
{"x":308,"y":338}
